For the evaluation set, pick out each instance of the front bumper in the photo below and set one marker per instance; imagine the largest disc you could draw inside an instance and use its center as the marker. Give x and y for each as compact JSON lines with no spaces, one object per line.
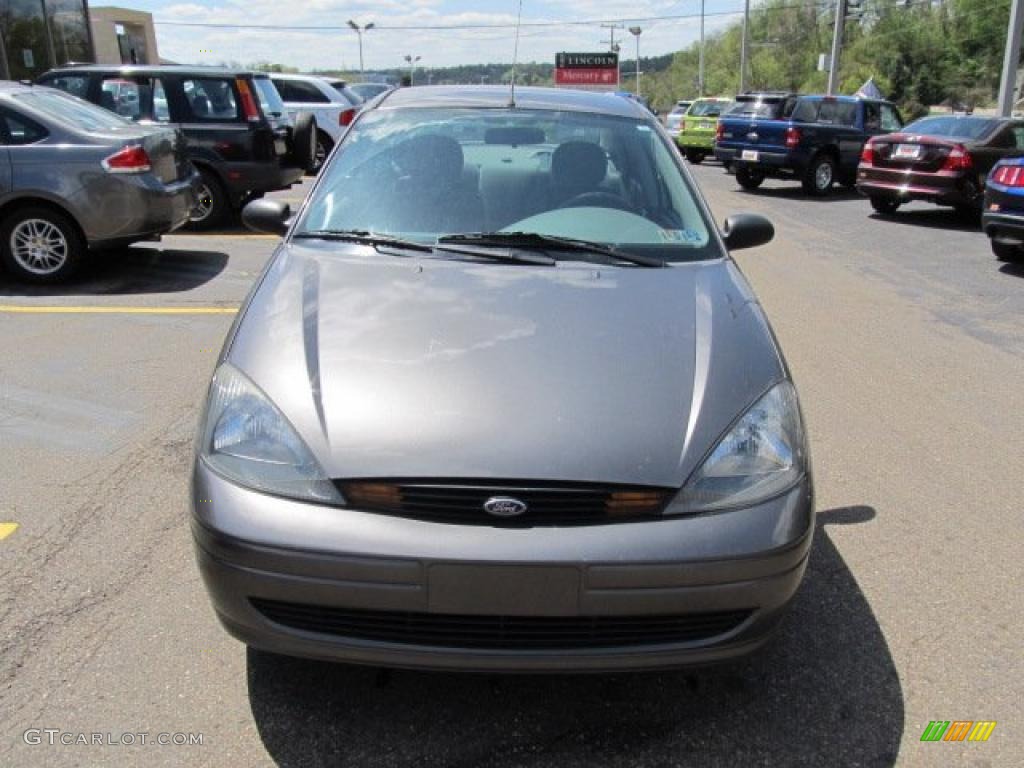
{"x":1004,"y":227}
{"x":255,"y":547}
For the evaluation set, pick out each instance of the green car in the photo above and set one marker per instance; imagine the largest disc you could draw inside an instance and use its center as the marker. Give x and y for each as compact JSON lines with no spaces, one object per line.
{"x":697,"y":132}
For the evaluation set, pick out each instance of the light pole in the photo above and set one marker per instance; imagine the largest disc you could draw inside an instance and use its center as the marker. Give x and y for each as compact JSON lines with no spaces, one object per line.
{"x":359,"y":32}
{"x":635,"y":32}
{"x":412,"y":65}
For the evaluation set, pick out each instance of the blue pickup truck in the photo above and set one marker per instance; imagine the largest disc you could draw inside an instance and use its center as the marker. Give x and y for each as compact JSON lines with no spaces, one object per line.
{"x":818,"y":145}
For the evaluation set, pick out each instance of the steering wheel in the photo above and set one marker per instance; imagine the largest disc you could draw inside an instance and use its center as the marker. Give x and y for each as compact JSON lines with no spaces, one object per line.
{"x":598,"y":200}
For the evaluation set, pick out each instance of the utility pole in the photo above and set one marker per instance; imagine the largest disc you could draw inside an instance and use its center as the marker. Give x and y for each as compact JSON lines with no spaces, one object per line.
{"x":837,"y":47}
{"x":612,"y":45}
{"x":700,"y":61}
{"x":1011,"y":59}
{"x":635,"y":31}
{"x":743,"y":47}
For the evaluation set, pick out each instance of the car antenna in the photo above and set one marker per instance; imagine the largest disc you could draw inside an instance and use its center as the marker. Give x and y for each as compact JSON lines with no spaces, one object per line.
{"x":515,"y":56}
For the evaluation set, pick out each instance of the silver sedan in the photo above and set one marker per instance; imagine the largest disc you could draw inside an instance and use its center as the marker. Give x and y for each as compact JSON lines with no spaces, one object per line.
{"x":503,"y":401}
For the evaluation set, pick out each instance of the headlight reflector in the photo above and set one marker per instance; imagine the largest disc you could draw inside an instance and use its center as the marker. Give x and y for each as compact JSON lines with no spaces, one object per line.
{"x":250,"y":442}
{"x":760,"y":456}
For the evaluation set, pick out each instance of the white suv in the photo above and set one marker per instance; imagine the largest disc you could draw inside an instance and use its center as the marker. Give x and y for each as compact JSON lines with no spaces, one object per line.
{"x":331,"y":107}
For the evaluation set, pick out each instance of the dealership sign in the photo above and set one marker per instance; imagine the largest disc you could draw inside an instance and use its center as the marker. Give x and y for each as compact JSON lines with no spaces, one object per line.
{"x":587,"y":70}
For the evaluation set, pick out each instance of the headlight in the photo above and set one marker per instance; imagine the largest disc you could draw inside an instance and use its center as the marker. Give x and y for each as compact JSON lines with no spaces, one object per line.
{"x":250,"y":442}
{"x":759,"y":457}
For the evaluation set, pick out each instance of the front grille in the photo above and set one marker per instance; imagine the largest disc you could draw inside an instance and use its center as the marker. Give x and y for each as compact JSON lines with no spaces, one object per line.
{"x":501,"y":632}
{"x":547,"y":503}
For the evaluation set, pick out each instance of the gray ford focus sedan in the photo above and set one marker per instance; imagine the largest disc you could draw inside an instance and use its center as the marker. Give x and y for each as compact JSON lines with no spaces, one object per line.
{"x":502,"y":401}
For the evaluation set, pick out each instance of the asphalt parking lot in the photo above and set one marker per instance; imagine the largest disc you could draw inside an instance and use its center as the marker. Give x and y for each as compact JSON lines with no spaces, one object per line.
{"x":906,"y":343}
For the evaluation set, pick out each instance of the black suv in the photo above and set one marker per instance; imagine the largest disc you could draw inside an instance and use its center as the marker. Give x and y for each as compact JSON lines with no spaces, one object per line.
{"x":238,"y":135}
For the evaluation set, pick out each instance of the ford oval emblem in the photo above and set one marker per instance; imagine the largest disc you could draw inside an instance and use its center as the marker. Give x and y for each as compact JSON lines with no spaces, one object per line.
{"x":504,"y":506}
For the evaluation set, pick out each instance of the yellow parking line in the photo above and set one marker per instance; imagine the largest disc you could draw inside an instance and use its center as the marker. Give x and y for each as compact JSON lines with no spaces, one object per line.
{"x":114,"y":310}
{"x":6,"y":529}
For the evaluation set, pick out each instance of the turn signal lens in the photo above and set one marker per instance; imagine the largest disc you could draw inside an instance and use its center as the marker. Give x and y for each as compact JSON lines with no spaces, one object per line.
{"x":345,"y":118}
{"x":131,"y":159}
{"x":373,"y":495}
{"x":630,"y":503}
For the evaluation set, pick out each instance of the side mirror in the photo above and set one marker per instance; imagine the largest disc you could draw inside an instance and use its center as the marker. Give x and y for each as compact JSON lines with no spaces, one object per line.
{"x":268,"y":216}
{"x":747,"y":230}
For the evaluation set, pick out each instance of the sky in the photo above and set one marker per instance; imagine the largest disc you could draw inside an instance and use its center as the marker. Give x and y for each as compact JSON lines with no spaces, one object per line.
{"x":386,"y":46}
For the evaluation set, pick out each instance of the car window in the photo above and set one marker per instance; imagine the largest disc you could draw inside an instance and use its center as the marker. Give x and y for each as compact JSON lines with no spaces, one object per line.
{"x":952,"y":126}
{"x":211,"y":98}
{"x":769,"y":108}
{"x":838,"y":113}
{"x":421,"y":173}
{"x":707,"y":108}
{"x":121,"y":97}
{"x":806,"y":111}
{"x":17,"y":130}
{"x":76,"y":85}
{"x":872,"y":116}
{"x":891,"y":120}
{"x":1018,"y":136}
{"x":269,"y":96}
{"x":161,"y":113}
{"x":68,"y":109}
{"x":300,"y":91}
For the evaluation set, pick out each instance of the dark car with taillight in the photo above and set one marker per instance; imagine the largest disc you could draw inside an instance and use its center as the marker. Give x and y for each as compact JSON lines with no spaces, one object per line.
{"x":1003,"y":216}
{"x":819,"y":145}
{"x":942,"y":159}
{"x":237,"y":133}
{"x":76,"y":177}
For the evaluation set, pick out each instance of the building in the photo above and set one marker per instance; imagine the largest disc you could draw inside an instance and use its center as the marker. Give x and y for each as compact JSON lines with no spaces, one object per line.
{"x":38,"y":34}
{"x":121,"y":36}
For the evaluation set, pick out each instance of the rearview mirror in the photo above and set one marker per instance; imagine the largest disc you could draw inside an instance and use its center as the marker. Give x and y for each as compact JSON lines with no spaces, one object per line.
{"x":268,"y":216}
{"x":747,"y":230}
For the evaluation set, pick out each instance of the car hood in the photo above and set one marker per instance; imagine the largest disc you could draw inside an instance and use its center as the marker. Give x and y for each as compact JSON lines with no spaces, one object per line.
{"x":405,"y":367}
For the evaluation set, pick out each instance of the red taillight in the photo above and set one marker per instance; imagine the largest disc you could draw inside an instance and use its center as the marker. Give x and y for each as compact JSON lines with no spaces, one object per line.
{"x":131,"y":159}
{"x":959,"y":159}
{"x":867,"y":155}
{"x":252,"y":112}
{"x":346,"y":117}
{"x":792,"y":138}
{"x":719,"y":132}
{"x":1009,"y":176}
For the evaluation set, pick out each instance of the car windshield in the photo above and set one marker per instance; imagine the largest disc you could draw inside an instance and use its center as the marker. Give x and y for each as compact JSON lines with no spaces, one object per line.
{"x":420,"y":174}
{"x":707,"y":108}
{"x":270,"y":99}
{"x":70,"y":109}
{"x":951,"y":127}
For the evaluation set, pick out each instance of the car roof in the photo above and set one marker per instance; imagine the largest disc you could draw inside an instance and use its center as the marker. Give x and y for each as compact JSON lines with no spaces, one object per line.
{"x":526,"y":97}
{"x":144,"y":69}
{"x":301,"y":76}
{"x":13,"y":86}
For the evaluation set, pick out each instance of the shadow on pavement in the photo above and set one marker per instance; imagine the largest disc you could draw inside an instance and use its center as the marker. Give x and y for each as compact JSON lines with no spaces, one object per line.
{"x":1016,"y":269}
{"x":932,"y":218}
{"x":823,"y":692}
{"x":793,"y":191}
{"x":134,"y":270}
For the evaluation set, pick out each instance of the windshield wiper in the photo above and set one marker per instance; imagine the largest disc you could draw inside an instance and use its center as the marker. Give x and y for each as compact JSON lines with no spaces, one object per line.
{"x":363,"y":236}
{"x":536,"y":241}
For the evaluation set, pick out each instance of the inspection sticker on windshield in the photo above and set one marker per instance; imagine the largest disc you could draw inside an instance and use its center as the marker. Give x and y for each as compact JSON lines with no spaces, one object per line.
{"x":680,"y":235}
